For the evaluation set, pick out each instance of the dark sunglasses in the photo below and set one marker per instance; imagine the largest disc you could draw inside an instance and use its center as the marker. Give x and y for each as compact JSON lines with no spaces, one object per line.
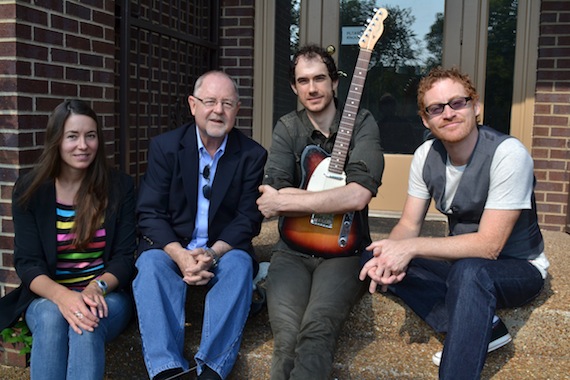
{"x":454,"y":104}
{"x":207,"y":189}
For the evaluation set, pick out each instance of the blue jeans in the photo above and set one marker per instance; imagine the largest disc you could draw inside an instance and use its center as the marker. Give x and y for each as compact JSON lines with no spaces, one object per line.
{"x":160,"y":297}
{"x":460,"y":299}
{"x":58,"y":352}
{"x":308,"y":301}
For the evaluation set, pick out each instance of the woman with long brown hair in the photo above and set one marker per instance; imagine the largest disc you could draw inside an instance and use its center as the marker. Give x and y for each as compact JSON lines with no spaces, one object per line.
{"x":74,"y":224}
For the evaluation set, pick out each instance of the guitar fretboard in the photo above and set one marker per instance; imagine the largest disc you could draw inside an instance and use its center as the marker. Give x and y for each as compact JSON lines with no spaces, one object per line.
{"x":346,"y":126}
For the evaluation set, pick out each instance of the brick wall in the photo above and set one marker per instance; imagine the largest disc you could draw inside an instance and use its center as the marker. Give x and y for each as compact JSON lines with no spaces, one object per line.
{"x":60,"y":50}
{"x":236,"y":54}
{"x":171,"y":43}
{"x":201,"y":38}
{"x":551,"y":132}
{"x":55,"y":51}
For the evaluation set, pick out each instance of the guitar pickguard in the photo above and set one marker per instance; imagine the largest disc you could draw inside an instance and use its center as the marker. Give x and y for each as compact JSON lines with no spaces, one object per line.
{"x":322,"y":179}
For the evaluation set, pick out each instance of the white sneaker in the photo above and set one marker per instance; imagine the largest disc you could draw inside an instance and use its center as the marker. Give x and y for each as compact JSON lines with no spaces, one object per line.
{"x":261,"y":273}
{"x":499,"y":338}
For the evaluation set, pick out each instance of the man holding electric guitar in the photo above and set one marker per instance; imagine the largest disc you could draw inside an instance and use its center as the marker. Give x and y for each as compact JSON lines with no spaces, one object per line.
{"x":322,"y":172}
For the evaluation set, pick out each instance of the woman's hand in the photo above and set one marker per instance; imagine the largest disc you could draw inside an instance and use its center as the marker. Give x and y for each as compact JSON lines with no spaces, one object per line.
{"x":95,"y":300}
{"x":76,"y":311}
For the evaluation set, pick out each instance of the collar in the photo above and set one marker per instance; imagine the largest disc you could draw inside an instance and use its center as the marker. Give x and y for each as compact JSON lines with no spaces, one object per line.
{"x":220,"y":151}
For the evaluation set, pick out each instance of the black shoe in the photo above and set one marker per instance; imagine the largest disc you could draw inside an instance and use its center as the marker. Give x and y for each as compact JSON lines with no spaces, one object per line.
{"x":499,"y":337}
{"x":209,"y":374}
{"x":164,"y":375}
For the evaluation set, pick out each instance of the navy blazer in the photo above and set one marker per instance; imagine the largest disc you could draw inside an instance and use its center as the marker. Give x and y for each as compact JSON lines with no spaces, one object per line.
{"x":168,"y":195}
{"x":35,"y":248}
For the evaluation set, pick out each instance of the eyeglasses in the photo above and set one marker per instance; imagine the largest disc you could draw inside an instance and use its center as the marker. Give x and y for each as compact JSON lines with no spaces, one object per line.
{"x":207,"y":189}
{"x":211,"y":103}
{"x":454,"y":104}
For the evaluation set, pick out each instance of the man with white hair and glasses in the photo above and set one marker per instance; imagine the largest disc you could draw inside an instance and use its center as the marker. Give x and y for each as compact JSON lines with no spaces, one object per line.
{"x":197,"y":217}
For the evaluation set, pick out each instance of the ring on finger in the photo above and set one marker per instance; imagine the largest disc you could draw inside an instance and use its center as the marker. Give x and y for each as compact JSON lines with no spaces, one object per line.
{"x":79,"y":315}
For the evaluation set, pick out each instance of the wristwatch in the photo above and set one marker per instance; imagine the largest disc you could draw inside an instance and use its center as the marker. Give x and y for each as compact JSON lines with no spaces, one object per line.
{"x":102,"y":285}
{"x":215,"y":257}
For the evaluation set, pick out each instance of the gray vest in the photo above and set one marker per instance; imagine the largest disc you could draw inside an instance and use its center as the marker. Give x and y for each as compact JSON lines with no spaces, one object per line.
{"x":468,"y":204}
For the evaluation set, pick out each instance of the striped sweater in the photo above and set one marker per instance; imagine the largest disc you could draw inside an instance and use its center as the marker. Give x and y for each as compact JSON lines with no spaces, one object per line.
{"x":76,"y":268}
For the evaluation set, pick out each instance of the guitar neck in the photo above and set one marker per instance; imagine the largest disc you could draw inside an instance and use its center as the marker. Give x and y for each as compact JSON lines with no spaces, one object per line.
{"x":346,"y":126}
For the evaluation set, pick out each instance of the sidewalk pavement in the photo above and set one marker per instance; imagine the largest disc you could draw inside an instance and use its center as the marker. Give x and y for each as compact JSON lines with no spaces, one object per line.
{"x":383,"y":339}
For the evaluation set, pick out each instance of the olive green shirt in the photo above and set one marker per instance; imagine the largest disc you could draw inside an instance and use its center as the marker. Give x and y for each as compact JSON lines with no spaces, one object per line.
{"x":364,"y":164}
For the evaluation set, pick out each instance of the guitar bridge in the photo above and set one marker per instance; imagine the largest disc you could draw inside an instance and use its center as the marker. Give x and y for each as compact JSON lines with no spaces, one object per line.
{"x":322,"y":220}
{"x":326,"y":221}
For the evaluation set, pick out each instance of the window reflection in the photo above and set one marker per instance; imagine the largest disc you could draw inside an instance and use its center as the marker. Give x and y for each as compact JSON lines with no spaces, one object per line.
{"x":410,"y":45}
{"x":501,"y":42}
{"x":286,"y":42}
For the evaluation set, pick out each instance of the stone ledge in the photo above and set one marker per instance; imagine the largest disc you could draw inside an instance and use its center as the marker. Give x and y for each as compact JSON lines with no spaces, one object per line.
{"x":383,"y":339}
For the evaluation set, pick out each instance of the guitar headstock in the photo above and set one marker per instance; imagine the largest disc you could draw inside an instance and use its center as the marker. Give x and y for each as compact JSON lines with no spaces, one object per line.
{"x":374,"y":30}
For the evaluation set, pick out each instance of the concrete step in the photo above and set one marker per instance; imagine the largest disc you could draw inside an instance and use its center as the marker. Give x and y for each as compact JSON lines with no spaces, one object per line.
{"x":383,"y":339}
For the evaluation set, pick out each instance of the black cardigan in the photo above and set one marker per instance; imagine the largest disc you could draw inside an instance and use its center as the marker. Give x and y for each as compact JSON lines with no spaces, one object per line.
{"x":35,"y":251}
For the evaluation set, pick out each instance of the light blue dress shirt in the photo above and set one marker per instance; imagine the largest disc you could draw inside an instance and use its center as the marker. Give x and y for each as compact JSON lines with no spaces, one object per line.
{"x":200,"y":233}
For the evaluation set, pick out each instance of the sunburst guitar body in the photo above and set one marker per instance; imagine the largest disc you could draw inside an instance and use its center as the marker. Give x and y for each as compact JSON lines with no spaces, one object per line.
{"x":325,"y":235}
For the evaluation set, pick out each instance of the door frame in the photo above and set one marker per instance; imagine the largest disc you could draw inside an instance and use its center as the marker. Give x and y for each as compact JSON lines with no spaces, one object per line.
{"x":465,"y":43}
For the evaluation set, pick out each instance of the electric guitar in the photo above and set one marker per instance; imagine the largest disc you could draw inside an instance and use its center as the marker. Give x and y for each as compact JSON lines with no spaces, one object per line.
{"x":330,"y":235}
